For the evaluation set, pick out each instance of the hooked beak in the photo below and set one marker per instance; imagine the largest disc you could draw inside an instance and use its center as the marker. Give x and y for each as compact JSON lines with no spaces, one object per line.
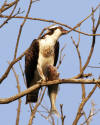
{"x":64,"y":31}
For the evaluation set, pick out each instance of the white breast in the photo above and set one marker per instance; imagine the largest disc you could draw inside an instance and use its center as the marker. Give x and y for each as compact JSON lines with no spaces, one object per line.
{"x":42,"y":61}
{"x":44,"y":43}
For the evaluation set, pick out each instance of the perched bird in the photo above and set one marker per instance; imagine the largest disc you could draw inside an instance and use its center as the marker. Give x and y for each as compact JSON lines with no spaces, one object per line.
{"x":42,"y":52}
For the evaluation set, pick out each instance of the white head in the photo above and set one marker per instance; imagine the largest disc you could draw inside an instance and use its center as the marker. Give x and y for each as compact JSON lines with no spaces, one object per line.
{"x":55,"y":32}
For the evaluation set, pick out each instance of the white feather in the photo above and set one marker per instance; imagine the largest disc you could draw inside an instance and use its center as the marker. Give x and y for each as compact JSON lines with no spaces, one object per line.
{"x":48,"y":41}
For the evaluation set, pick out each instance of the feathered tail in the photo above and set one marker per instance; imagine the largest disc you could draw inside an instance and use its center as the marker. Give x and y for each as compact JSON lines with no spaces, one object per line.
{"x":32,"y":97}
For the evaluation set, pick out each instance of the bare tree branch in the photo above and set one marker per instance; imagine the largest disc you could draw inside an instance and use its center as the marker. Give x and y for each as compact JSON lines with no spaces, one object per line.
{"x":6,"y":6}
{"x":44,"y":30}
{"x":91,"y":51}
{"x":39,"y":85}
{"x":55,"y":22}
{"x":89,"y":117}
{"x":21,"y":27}
{"x":16,"y":2}
{"x":94,"y":66}
{"x":10,"y":66}
{"x":81,"y":78}
{"x":19,"y":101}
{"x":61,"y":57}
{"x":79,"y":113}
{"x":62,"y":116}
{"x":35,"y":108}
{"x":52,"y":119}
{"x":80,"y":62}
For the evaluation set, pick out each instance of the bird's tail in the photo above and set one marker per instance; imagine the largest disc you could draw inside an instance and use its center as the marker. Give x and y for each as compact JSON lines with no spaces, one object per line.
{"x":32,"y":97}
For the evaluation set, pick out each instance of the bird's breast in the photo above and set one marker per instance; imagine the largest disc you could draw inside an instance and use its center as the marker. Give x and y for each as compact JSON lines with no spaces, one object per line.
{"x":47,"y":51}
{"x":46,"y":47}
{"x":43,"y":60}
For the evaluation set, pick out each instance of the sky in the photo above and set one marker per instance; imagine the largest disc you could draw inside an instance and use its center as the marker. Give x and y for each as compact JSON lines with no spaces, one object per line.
{"x":65,"y":11}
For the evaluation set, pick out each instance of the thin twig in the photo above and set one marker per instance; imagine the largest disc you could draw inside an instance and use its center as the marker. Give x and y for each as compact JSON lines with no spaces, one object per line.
{"x":20,"y":30}
{"x":44,"y":30}
{"x":10,"y":14}
{"x":24,"y":82}
{"x":90,"y":117}
{"x":79,"y":113}
{"x":19,"y":100}
{"x":78,"y":52}
{"x":80,"y":62}
{"x":7,"y":6}
{"x":10,"y":66}
{"x":91,"y":51}
{"x":94,"y":66}
{"x":35,"y":108}
{"x":55,"y":22}
{"x":51,"y":116}
{"x":45,"y":117}
{"x":62,"y":116}
{"x":61,"y":57}
{"x":22,"y":73}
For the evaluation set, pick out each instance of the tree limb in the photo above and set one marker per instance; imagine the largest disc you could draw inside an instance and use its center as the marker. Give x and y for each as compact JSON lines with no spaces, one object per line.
{"x":38,"y":85}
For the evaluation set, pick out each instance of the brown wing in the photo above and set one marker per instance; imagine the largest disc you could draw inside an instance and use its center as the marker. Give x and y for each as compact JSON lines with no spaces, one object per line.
{"x":31,"y":60}
{"x":56,"y":53}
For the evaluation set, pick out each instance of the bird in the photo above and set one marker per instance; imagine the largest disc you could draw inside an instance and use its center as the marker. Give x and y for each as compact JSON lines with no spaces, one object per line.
{"x":42,"y":52}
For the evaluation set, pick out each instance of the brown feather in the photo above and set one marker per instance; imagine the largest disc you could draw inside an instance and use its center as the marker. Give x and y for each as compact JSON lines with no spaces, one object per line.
{"x":31,"y":60}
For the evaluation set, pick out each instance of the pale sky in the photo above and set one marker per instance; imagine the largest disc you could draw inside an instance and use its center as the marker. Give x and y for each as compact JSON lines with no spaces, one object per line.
{"x":69,"y":12}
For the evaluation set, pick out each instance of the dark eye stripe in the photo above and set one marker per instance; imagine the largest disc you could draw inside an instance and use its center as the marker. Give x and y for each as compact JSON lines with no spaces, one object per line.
{"x":51,"y":31}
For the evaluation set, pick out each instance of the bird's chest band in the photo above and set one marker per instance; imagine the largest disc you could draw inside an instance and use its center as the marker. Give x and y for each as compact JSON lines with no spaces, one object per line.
{"x":47,"y":51}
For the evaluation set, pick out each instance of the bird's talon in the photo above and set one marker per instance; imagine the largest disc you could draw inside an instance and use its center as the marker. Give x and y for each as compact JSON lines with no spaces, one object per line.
{"x":40,"y":81}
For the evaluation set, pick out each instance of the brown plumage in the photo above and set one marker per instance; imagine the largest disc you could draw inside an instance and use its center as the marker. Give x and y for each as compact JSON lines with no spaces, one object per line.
{"x":31,"y":73}
{"x":31,"y":59}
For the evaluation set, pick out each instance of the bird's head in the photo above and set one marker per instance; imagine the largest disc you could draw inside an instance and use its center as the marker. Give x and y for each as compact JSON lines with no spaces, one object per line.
{"x":55,"y":32}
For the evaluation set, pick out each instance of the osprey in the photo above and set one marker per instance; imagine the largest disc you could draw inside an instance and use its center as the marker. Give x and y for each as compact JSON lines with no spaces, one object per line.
{"x":42,"y":52}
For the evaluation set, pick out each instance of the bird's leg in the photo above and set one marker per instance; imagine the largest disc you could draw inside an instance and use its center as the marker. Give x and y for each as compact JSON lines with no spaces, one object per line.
{"x":52,"y":91}
{"x":52,"y":74}
{"x":53,"y":100}
{"x":40,"y":71}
